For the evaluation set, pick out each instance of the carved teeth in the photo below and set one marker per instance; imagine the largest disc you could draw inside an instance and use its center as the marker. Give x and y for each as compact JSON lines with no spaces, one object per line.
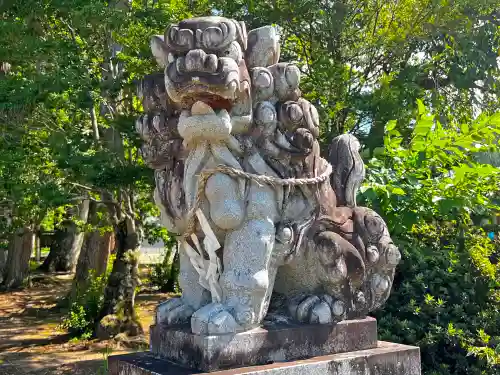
{"x":200,"y":108}
{"x":224,"y":115}
{"x":244,"y":89}
{"x":180,"y":64}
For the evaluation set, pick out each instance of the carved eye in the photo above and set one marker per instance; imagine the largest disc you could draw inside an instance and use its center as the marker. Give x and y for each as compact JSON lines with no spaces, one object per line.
{"x":233,"y":51}
{"x":212,"y":37}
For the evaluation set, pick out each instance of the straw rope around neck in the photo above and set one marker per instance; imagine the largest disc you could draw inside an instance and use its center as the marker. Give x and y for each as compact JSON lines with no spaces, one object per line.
{"x":260,"y":179}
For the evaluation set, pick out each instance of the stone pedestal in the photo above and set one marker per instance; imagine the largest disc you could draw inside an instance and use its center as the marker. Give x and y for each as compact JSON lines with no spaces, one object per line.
{"x":385,"y":359}
{"x":271,"y":343}
{"x":347,"y":348}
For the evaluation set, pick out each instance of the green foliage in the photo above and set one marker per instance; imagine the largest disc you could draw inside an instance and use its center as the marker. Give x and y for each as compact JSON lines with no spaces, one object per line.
{"x":366,"y":62}
{"x":164,"y":275}
{"x":70,"y":60}
{"x":86,"y":305}
{"x":433,"y":194}
{"x":77,"y":322}
{"x":104,"y":368}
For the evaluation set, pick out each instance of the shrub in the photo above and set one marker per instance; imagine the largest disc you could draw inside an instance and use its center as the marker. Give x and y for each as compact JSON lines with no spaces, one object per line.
{"x":86,"y":305}
{"x":446,"y":293}
{"x":164,"y":274}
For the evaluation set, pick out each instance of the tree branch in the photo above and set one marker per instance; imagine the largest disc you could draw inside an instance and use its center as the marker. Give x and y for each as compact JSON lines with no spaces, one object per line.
{"x":95,"y":125}
{"x":88,"y":188}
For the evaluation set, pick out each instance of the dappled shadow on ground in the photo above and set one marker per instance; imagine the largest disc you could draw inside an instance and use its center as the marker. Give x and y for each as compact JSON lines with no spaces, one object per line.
{"x":51,"y":364}
{"x":32,"y":341}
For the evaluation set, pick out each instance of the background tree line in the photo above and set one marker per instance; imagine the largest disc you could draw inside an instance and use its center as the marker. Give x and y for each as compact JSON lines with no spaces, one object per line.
{"x":416,"y":80}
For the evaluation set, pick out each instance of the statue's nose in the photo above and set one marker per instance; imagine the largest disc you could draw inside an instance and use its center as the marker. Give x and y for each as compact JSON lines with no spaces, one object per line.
{"x":198,"y":60}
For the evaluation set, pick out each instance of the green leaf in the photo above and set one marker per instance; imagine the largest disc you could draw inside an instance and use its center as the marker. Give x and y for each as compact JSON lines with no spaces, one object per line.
{"x":423,"y":126}
{"x":421,"y":107}
{"x":398,"y":191}
{"x":391,"y":125}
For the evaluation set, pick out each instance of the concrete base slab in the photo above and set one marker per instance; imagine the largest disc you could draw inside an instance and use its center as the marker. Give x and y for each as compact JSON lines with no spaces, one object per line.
{"x":269,"y":344}
{"x":385,"y":359}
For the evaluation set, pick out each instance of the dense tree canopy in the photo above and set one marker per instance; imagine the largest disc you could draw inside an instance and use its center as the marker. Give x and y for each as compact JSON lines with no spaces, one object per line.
{"x":366,"y":62}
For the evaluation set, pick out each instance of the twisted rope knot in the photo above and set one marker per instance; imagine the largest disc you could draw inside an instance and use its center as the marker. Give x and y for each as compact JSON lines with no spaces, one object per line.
{"x":259,"y":179}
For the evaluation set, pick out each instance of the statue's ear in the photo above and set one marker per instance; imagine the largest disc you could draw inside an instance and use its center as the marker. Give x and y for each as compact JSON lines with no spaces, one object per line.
{"x":263,"y":47}
{"x":159,"y":49}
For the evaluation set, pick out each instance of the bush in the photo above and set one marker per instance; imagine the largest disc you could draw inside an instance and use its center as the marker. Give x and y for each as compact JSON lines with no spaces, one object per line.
{"x":433,"y":195}
{"x":164,"y":275}
{"x":86,"y":305}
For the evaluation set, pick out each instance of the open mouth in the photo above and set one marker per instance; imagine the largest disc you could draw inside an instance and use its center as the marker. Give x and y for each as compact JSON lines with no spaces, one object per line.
{"x":219,"y":87}
{"x":215,"y":101}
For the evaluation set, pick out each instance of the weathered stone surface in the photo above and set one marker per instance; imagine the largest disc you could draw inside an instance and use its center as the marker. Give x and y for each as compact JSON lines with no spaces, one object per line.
{"x":386,"y":359}
{"x":271,"y":343}
{"x":240,"y":179}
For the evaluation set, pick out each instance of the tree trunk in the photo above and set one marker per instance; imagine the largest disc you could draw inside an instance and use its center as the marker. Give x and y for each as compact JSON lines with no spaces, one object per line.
{"x":173,"y":275}
{"x":119,"y":295}
{"x":38,"y":249}
{"x":68,"y":240}
{"x":3,"y":262}
{"x":18,"y":259}
{"x":94,"y":255}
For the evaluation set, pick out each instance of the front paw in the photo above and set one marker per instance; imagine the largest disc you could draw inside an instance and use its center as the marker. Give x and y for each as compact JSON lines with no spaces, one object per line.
{"x":214,"y":319}
{"x":173,"y":311}
{"x":314,"y":309}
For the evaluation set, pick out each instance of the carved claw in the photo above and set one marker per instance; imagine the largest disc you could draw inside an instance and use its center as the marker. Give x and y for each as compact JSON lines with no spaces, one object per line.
{"x":173,"y":311}
{"x":214,"y":319}
{"x":317,"y":309}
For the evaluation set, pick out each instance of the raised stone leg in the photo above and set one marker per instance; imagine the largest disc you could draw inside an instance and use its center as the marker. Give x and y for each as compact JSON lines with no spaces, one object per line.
{"x":248,"y":278}
{"x":247,"y":285}
{"x":194,"y":296}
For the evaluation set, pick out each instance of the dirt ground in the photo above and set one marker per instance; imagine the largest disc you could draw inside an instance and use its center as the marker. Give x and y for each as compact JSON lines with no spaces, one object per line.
{"x":32,"y":342}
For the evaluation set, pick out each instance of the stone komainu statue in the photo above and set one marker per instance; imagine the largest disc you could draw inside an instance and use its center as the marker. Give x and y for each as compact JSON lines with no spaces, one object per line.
{"x":268,"y":229}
